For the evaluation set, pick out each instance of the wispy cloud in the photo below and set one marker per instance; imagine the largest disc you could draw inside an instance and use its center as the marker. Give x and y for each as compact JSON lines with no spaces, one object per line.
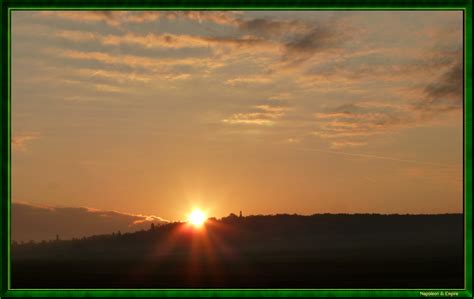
{"x":451,"y":174}
{"x":215,"y":44}
{"x":371,"y":156}
{"x":345,"y":144}
{"x":383,"y":64}
{"x":295,"y":40}
{"x":120,"y":77}
{"x":249,"y":80}
{"x":281,"y":96}
{"x":43,"y":222}
{"x":273,"y":28}
{"x":260,"y":115}
{"x":160,"y":68}
{"x":112,"y":18}
{"x":362,"y":119}
{"x":445,"y":92}
{"x":20,"y":141}
{"x":118,"y":18}
{"x":351,"y":121}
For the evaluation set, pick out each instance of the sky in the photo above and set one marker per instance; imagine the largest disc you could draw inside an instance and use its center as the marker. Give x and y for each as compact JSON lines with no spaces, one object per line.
{"x":156,"y":113}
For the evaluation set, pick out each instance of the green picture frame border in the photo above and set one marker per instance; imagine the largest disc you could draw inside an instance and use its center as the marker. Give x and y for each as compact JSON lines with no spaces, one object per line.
{"x":7,"y":6}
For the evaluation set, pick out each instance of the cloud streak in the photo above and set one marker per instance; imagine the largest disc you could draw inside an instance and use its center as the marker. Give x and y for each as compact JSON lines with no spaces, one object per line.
{"x":20,"y":142}
{"x":445,"y":93}
{"x":119,"y":18}
{"x":40,"y":222}
{"x":370,"y":156}
{"x":260,"y":115}
{"x":352,"y":122}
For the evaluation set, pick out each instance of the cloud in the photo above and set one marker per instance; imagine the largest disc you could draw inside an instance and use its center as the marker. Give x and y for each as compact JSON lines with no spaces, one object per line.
{"x":149,"y":40}
{"x":255,"y":118}
{"x":216,"y":44}
{"x":445,"y":92}
{"x":76,"y":35}
{"x":20,"y":141}
{"x":420,"y":103}
{"x":389,"y":67}
{"x":269,"y":27}
{"x":260,"y":115}
{"x":296,"y":40}
{"x":318,"y":39}
{"x":299,"y":40}
{"x":175,"y":41}
{"x":349,"y":125}
{"x":281,"y":96}
{"x":112,"y":18}
{"x":371,"y":156}
{"x":319,"y":42}
{"x":246,"y":80}
{"x":268,"y":42}
{"x":109,"y":88}
{"x":315,"y":40}
{"x":293,"y":140}
{"x":218,"y":17}
{"x":35,"y":222}
{"x":164,"y":66}
{"x":379,"y":66}
{"x":345,"y":144}
{"x":451,"y":174}
{"x":118,"y":18}
{"x":120,"y":77}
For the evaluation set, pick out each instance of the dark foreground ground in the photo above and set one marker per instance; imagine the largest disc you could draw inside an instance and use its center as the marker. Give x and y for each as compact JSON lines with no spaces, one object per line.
{"x":321,"y":251}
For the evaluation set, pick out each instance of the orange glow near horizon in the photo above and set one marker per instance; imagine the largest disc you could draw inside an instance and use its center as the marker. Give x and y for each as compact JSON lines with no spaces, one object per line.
{"x":269,"y":112}
{"x":197,"y":218}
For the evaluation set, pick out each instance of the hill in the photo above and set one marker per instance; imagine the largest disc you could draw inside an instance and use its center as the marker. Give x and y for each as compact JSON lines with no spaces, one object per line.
{"x":279,"y":251}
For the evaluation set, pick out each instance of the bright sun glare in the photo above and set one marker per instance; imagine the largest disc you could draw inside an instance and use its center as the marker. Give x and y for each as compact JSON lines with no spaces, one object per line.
{"x":197,"y":218}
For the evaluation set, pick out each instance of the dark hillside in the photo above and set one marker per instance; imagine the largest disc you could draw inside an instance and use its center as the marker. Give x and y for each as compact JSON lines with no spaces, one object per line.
{"x":281,"y":251}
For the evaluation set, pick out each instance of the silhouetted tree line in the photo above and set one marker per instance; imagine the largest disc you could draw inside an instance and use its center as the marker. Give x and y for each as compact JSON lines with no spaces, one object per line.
{"x":254,"y":233}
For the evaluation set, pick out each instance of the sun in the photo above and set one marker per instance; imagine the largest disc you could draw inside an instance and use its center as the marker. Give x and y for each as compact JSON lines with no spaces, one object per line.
{"x":197,"y":218}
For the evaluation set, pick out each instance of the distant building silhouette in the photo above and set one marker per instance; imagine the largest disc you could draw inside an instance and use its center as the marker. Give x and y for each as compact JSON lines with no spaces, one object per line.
{"x":240,"y":214}
{"x":57,"y":237}
{"x":152,"y":226}
{"x":232,"y":218}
